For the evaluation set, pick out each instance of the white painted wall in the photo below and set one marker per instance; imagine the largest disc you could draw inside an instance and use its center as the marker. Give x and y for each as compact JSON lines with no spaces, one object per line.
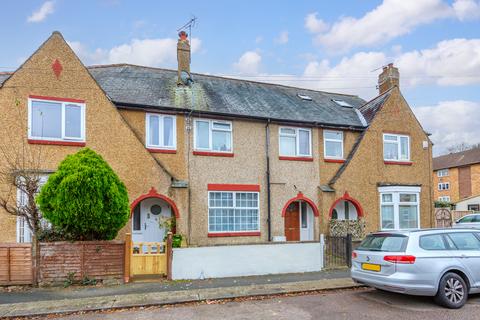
{"x":463,"y":205}
{"x":246,"y":260}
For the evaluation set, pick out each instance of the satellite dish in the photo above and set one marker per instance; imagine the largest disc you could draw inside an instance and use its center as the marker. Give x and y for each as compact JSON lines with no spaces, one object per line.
{"x":186,"y":78}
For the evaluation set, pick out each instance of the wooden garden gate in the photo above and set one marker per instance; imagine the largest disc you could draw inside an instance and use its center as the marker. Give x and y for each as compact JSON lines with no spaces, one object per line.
{"x":148,"y":258}
{"x":16,"y":264}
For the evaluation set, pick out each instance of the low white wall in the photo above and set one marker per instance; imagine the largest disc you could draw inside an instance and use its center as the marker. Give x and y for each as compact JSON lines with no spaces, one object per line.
{"x":246,"y":260}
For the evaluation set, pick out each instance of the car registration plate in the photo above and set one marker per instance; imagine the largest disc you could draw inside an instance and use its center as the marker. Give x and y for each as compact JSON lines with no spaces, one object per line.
{"x":371,"y":267}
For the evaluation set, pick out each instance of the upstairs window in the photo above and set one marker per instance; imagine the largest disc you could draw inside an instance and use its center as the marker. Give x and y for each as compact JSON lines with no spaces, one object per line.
{"x":161,"y":131}
{"x":396,"y":147}
{"x":333,"y":144}
{"x":56,"y":120}
{"x":442,"y":173}
{"x":444,"y":186}
{"x":213,"y":135}
{"x":295,"y":142}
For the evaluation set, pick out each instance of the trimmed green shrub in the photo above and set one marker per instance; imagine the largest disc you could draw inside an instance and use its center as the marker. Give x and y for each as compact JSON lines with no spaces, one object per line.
{"x":85,"y":199}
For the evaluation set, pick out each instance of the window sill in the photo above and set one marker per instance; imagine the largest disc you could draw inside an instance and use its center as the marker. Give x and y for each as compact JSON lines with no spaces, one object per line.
{"x":168,"y":151}
{"x":234,"y":234}
{"x":334,"y":160}
{"x":57,"y":143}
{"x":213,"y":154}
{"x":295,"y":158}
{"x":400,"y":163}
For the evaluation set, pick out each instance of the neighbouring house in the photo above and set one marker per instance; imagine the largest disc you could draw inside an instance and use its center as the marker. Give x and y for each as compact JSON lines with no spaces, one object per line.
{"x":469,"y":204}
{"x":234,"y":161}
{"x":456,"y":176}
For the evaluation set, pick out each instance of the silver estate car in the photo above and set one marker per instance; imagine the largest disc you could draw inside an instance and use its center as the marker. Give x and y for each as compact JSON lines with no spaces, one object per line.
{"x":444,"y":263}
{"x":468,"y":221}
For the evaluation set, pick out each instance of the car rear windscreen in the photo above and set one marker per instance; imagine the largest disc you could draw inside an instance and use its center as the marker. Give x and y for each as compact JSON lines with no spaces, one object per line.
{"x":384,"y":242}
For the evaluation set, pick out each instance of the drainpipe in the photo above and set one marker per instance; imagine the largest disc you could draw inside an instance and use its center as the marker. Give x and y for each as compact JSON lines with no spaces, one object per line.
{"x":267,"y":154}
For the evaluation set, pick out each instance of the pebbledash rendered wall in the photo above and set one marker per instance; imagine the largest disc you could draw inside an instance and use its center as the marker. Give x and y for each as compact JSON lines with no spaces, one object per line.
{"x":246,"y":260}
{"x":107,"y":132}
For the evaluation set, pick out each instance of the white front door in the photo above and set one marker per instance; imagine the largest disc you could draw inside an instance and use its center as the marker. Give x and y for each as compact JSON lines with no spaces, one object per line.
{"x":306,"y":222}
{"x":148,"y":228}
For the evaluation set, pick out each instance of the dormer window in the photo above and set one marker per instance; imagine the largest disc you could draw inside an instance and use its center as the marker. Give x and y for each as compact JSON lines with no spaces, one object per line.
{"x":56,"y":119}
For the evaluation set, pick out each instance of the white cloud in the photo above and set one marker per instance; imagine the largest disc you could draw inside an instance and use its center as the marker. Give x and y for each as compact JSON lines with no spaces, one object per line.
{"x":41,"y":14}
{"x":282,"y":38}
{"x":313,"y":24}
{"x":437,"y":120}
{"x":450,"y":63}
{"x":467,"y":9}
{"x":249,"y":63}
{"x":147,"y":52}
{"x":389,"y":20}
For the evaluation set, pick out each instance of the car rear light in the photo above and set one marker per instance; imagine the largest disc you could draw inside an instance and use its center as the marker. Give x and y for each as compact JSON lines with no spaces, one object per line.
{"x":354,"y":255}
{"x":400,"y":259}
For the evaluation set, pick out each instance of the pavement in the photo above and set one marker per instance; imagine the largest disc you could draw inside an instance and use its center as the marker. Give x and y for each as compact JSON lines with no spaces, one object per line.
{"x":44,"y":301}
{"x":359,"y":303}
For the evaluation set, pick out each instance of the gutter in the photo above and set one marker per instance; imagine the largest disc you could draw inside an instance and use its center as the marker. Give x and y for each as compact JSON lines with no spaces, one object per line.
{"x":267,"y":155}
{"x":173,"y":110}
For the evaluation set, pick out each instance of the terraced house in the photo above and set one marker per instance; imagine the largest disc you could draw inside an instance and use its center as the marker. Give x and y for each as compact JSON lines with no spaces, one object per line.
{"x":234,"y":161}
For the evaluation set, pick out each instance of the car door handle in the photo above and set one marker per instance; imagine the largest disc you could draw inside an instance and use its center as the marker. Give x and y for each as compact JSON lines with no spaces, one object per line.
{"x":464,"y":256}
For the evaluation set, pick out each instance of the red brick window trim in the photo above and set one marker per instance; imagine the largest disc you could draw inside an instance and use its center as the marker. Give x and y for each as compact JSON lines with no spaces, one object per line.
{"x":57,"y":143}
{"x":400,"y":163}
{"x":234,"y":187}
{"x":334,"y":160}
{"x":213,"y":154}
{"x":167,"y":151}
{"x":295,"y":158}
{"x":234,"y":234}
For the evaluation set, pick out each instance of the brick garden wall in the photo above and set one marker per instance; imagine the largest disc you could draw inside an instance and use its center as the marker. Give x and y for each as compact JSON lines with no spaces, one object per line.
{"x":99,"y":260}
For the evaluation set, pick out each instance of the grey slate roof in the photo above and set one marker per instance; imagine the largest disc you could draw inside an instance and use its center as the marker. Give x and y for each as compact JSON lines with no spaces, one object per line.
{"x":369,"y":109}
{"x":4,"y":76}
{"x":137,"y":86}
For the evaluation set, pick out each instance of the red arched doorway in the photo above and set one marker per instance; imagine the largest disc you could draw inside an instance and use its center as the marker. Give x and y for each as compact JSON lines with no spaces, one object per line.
{"x":299,"y":221}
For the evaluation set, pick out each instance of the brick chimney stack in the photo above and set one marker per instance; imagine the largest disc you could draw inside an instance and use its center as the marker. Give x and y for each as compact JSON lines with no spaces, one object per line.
{"x":389,"y":78}
{"x":183,"y":57}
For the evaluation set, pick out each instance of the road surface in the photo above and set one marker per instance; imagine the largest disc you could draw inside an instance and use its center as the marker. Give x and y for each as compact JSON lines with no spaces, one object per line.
{"x":347,"y":304}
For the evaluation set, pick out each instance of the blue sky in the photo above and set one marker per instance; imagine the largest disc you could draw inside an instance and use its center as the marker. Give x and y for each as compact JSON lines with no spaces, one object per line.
{"x":324,"y":45}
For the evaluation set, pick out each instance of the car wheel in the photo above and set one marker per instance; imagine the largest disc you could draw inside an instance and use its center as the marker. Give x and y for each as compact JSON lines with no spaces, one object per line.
{"x":452,"y":291}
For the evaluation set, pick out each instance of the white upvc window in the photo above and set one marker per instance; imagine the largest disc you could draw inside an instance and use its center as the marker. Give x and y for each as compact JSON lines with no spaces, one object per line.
{"x":24,"y":234}
{"x":213,"y":135}
{"x":442,"y":173}
{"x":333,"y":144}
{"x":161,"y":131}
{"x":295,"y":142}
{"x":54,"y":120}
{"x":444,"y":186}
{"x":444,"y":198}
{"x":233,"y":211}
{"x":396,"y":147}
{"x":399,"y":207}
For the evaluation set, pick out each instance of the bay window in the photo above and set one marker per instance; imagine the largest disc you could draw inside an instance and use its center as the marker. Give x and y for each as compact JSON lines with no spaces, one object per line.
{"x":333,"y":144}
{"x":213,"y":135}
{"x":396,"y":147}
{"x":56,"y":120}
{"x":295,"y":142}
{"x":161,"y":131}
{"x":233,"y":211}
{"x":399,"y":207}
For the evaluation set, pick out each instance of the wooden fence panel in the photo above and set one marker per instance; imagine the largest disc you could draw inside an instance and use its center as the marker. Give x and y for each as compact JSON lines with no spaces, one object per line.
{"x":98,"y":260}
{"x":16,"y":263}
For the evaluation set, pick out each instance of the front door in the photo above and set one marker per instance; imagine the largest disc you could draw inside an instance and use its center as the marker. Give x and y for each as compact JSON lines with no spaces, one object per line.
{"x":148,"y":227}
{"x":292,"y":222}
{"x":306,"y":222}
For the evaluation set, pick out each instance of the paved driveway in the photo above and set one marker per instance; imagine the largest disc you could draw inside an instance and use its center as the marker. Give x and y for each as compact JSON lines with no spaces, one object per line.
{"x":350,"y":304}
